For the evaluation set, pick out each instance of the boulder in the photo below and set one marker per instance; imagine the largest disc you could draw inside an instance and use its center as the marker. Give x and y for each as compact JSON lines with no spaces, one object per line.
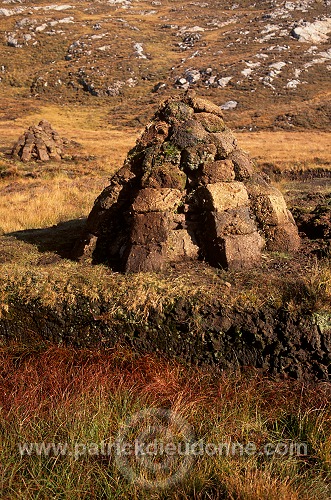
{"x":315,"y":32}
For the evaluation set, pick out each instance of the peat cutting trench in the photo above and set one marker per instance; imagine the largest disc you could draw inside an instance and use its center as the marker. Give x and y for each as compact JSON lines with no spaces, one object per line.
{"x":274,"y":339}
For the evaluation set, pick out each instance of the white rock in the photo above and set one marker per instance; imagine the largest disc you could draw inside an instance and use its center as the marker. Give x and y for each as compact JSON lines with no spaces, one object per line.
{"x":6,"y":12}
{"x":326,"y":54}
{"x":11,"y":12}
{"x":280,"y":48}
{"x":131,"y":82}
{"x":193,"y":29}
{"x":229,"y":105}
{"x":13,"y":42}
{"x":267,"y":37}
{"x":211,"y":80}
{"x":193,"y":76}
{"x":277,"y":66}
{"x":222,"y":82}
{"x":66,"y":20}
{"x":42,"y":27}
{"x":292,"y":84}
{"x":312,"y":49}
{"x":324,"y":57}
{"x":54,"y":7}
{"x":183,"y":83}
{"x":119,"y":2}
{"x":247,"y":72}
{"x":270,"y":28}
{"x":251,"y":64}
{"x":313,"y":32}
{"x":139,"y":51}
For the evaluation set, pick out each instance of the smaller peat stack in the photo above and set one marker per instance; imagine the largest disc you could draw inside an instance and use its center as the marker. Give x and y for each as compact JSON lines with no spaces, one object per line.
{"x":186,"y":191}
{"x":40,"y":142}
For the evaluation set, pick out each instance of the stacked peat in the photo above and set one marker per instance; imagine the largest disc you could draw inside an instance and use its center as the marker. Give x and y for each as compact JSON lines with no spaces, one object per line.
{"x":40,"y":142}
{"x":186,"y":191}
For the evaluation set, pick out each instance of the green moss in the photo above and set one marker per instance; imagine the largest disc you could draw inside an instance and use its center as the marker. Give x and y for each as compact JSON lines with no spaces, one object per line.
{"x":178,"y":110}
{"x":171,"y":151}
{"x":323,"y":321}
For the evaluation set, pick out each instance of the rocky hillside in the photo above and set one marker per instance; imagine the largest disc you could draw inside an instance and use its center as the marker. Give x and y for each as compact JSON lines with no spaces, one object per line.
{"x":267,"y":63}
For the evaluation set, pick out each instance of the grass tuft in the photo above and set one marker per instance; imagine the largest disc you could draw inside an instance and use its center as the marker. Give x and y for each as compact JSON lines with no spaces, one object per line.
{"x":62,"y":395}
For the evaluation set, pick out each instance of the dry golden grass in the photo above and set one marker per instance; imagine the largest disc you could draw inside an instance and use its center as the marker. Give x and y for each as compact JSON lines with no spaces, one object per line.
{"x":27,"y":204}
{"x":61,"y":395}
{"x":288,"y":150}
{"x":92,"y":128}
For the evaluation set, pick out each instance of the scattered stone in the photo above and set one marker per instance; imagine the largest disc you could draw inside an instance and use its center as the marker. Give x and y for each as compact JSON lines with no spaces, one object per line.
{"x":13,"y":42}
{"x":186,"y":191}
{"x":222,"y":82}
{"x":39,"y":142}
{"x":315,"y":32}
{"x":123,"y":3}
{"x":139,"y":51}
{"x":193,"y":29}
{"x":274,"y":71}
{"x":159,"y":86}
{"x":42,"y":27}
{"x":292,"y":84}
{"x":55,"y":7}
{"x":229,"y":105}
{"x":278,"y":65}
{"x":182,"y":83}
{"x":193,"y":76}
{"x":11,"y":12}
{"x":189,"y":40}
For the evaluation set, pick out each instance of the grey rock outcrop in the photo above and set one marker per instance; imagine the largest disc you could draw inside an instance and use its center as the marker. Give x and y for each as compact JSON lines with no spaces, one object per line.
{"x":315,"y":32}
{"x":186,"y":191}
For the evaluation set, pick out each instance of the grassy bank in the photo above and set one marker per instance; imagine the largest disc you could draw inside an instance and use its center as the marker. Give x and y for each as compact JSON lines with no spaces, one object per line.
{"x":60,"y":395}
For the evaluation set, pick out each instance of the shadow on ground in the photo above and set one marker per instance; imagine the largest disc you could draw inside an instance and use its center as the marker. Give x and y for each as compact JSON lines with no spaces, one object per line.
{"x":59,"y":238}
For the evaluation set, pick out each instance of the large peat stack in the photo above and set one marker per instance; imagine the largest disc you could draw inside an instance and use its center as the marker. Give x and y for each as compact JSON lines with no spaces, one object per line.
{"x":186,"y":191}
{"x":39,"y":142}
